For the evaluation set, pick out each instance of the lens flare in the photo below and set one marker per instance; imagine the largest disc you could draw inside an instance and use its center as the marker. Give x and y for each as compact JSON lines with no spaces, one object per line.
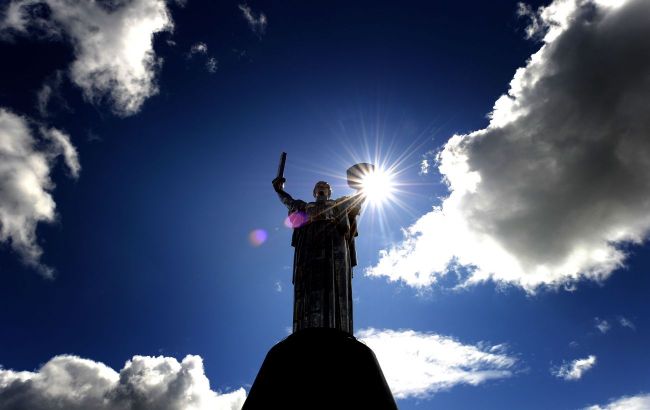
{"x":257,"y":237}
{"x":296,"y":220}
{"x":377,"y":186}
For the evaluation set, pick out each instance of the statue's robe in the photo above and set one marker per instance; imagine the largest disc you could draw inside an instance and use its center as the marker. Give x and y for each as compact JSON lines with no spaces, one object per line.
{"x":324,"y":256}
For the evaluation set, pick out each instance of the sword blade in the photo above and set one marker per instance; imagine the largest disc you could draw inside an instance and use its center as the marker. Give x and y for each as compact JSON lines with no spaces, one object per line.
{"x":283,"y":160}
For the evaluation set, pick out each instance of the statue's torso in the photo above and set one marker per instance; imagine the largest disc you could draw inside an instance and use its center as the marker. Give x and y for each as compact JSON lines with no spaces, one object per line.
{"x":321,"y":210}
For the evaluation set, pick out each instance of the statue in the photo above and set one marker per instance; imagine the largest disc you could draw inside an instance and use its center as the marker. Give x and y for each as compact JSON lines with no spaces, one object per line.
{"x":323,"y":238}
{"x":321,"y":363}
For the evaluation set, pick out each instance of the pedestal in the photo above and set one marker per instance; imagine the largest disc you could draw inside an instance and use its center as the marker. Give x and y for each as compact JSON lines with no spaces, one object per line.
{"x":320,"y":369}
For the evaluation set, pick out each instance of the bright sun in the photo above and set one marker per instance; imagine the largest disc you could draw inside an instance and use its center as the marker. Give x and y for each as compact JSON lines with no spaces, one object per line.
{"x":377,"y":186}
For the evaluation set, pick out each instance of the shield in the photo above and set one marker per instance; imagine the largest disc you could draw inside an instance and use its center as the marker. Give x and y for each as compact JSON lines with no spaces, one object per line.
{"x":357,"y":172}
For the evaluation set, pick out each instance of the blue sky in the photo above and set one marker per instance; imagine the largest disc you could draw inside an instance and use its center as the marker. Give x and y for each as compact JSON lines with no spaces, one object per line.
{"x":510,"y":273}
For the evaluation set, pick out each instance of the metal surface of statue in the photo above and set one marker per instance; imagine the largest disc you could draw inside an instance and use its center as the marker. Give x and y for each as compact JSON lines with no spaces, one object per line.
{"x":323,"y":238}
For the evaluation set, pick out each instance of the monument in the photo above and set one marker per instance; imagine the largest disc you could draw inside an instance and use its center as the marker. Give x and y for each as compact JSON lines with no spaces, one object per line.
{"x":322,"y":365}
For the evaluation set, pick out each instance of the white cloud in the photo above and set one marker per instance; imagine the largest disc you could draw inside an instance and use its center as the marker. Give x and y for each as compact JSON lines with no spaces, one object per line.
{"x":14,"y":18}
{"x":575,"y":369}
{"x":25,"y":183}
{"x":602,"y":325}
{"x":62,"y":145}
{"x":638,"y":402}
{"x":113,"y":44}
{"x":211,"y":65}
{"x":543,"y":195}
{"x":49,"y":91}
{"x":257,"y":23}
{"x":198,"y":48}
{"x":71,"y":383}
{"x":626,"y":322}
{"x":424,"y":167}
{"x":419,"y":364}
{"x":536,"y":23}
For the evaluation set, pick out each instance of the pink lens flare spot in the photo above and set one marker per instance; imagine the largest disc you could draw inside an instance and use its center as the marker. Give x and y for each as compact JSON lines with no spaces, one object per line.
{"x":258,"y":237}
{"x":295,"y":220}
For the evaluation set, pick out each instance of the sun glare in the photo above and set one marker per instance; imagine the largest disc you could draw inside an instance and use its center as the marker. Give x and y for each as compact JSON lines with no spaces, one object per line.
{"x":378,"y":172}
{"x":377,"y":186}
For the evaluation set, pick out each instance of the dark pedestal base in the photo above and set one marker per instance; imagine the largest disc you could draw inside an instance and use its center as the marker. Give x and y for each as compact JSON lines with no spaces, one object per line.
{"x":320,"y":369}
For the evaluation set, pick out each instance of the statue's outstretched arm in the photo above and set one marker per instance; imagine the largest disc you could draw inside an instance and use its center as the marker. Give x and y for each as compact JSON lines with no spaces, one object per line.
{"x":285,"y":198}
{"x":353,"y":203}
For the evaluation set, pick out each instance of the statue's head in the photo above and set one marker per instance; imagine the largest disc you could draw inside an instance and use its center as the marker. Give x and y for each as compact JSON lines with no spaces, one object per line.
{"x":322,"y":190}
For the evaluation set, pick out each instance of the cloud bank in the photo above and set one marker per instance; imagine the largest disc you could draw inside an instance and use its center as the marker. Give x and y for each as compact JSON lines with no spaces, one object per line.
{"x":639,"y":402}
{"x":545,"y":194}
{"x":26,"y":162}
{"x":72,"y":383}
{"x":419,"y":364}
{"x":113,"y":44}
{"x":574,"y":370}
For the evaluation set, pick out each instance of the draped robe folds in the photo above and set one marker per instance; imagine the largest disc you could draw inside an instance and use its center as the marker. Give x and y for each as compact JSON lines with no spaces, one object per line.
{"x":323,"y":239}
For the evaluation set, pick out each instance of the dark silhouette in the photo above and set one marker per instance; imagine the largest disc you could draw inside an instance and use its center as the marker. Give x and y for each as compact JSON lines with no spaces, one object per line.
{"x":320,"y":369}
{"x":323,"y":239}
{"x":321,"y":365}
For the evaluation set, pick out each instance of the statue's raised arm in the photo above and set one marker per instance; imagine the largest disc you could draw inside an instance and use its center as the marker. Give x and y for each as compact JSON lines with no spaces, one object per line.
{"x":278,"y":186}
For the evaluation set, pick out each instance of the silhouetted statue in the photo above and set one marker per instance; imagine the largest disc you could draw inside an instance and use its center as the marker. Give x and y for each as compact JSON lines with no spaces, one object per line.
{"x":323,"y":238}
{"x":322,"y":365}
